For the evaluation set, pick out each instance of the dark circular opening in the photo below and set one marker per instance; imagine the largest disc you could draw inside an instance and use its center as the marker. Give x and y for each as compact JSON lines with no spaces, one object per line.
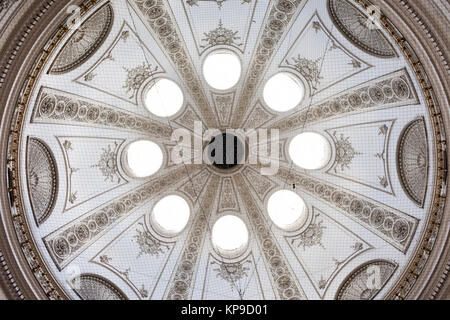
{"x":225,"y":151}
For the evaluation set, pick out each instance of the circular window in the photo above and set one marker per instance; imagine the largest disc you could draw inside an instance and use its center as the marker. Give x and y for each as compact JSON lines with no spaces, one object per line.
{"x":222,"y":70}
{"x":283,"y":92}
{"x":230,"y":236}
{"x":287,"y":210}
{"x":164,"y":98}
{"x":143,"y":158}
{"x":310,"y":151}
{"x":170,"y":215}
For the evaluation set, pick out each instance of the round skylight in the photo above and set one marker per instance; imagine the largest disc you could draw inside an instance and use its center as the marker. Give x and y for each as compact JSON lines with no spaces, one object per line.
{"x":164,"y":98}
{"x":143,"y":158}
{"x":310,"y":151}
{"x":222,"y":70}
{"x":230,"y":236}
{"x":170,"y":215}
{"x":287,"y":210}
{"x":283,"y":92}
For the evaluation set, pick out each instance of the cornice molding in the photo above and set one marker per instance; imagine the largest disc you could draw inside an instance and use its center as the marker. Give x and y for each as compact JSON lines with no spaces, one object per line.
{"x":22,"y":42}
{"x":419,"y":22}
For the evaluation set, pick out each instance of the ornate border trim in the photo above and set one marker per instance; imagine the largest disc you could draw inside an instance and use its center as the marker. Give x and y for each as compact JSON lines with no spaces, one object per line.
{"x":405,"y":285}
{"x":38,"y":268}
{"x":9,"y":280}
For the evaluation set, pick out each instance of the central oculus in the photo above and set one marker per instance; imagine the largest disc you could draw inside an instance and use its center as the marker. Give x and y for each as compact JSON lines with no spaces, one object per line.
{"x":225,"y":151}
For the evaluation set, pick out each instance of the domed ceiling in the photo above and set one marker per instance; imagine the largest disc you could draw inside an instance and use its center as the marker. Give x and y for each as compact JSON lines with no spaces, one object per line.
{"x":91,"y":226}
